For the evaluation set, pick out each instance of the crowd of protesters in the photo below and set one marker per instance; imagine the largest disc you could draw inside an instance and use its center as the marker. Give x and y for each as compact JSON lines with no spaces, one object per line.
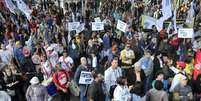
{"x":41,"y":60}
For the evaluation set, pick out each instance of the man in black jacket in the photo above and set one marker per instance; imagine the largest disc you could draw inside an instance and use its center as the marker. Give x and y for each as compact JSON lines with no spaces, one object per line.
{"x":95,"y":91}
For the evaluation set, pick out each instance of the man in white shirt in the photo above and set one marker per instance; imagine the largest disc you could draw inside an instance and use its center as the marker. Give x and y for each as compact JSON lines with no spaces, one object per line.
{"x":5,"y":54}
{"x":111,"y":75}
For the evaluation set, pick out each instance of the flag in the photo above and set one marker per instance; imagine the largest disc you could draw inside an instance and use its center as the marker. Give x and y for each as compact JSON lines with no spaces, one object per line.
{"x":166,"y":9}
{"x":10,"y":6}
{"x":24,"y":8}
{"x":190,"y":17}
{"x":174,"y":20}
{"x":197,"y":65}
{"x":148,"y":22}
{"x":167,"y":13}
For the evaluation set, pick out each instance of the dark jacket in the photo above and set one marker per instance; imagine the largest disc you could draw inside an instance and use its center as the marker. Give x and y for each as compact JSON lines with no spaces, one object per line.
{"x":132,"y":77}
{"x":83,"y":87}
{"x":95,"y":92}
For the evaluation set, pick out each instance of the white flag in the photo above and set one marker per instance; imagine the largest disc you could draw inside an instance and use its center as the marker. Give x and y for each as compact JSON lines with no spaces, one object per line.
{"x":174,"y":20}
{"x":148,"y":22}
{"x":10,"y":6}
{"x":166,"y":9}
{"x":190,"y":16}
{"x":24,"y":8}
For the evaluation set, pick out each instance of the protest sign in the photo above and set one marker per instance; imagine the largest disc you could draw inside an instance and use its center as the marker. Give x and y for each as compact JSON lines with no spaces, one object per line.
{"x":97,"y":26}
{"x":73,"y":25}
{"x":80,"y":28}
{"x":122,"y":26}
{"x":85,"y":78}
{"x":185,"y":33}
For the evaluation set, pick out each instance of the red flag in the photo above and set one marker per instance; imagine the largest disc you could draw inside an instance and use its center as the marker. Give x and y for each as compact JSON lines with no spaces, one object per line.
{"x":197,"y":66}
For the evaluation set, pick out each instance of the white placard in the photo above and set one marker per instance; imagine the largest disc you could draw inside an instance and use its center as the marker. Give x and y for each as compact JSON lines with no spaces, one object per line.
{"x":80,"y":28}
{"x":121,"y":26}
{"x":185,"y":33}
{"x":85,"y":78}
{"x":97,"y":26}
{"x":73,"y":25}
{"x":97,"y":19}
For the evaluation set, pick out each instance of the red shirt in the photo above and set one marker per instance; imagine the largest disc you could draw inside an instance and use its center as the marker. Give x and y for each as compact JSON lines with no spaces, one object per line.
{"x":61,"y":79}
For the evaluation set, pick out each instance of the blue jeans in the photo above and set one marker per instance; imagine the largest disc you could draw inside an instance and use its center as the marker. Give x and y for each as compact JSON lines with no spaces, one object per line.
{"x":165,"y":85}
{"x":147,"y":82}
{"x":83,"y":96}
{"x":107,"y":98}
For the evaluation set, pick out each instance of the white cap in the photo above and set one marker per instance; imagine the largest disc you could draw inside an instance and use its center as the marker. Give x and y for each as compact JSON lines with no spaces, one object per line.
{"x":50,"y":48}
{"x":34,"y":80}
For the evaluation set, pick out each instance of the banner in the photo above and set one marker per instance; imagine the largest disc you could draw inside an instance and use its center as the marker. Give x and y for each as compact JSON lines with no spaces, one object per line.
{"x":190,"y":17}
{"x":80,"y":28}
{"x":122,"y":26}
{"x":73,"y":26}
{"x":24,"y":8}
{"x":10,"y":6}
{"x":97,"y":26}
{"x":185,"y":33}
{"x":85,"y":78}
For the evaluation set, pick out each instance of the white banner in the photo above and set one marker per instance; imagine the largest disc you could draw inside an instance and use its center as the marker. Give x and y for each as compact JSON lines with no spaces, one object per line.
{"x":10,"y":6}
{"x":73,"y":25}
{"x":97,"y":26}
{"x":80,"y":28}
{"x":97,"y":19}
{"x":85,"y":78}
{"x":24,"y":8}
{"x":122,"y":26}
{"x":185,"y":33}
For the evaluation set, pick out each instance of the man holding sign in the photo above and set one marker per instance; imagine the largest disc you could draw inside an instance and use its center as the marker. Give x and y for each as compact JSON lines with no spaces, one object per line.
{"x":83,"y":78}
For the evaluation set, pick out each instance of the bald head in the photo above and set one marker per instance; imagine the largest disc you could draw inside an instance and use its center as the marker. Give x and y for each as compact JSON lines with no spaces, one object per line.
{"x":83,"y":61}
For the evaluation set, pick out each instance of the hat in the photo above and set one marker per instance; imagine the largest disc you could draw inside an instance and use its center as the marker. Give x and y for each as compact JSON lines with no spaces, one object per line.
{"x":18,"y":43}
{"x":50,"y":48}
{"x":181,"y":64}
{"x":34,"y":80}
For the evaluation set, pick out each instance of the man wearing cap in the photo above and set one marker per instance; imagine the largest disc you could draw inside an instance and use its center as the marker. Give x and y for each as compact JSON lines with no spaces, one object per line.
{"x":36,"y":91}
{"x":178,"y":77}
